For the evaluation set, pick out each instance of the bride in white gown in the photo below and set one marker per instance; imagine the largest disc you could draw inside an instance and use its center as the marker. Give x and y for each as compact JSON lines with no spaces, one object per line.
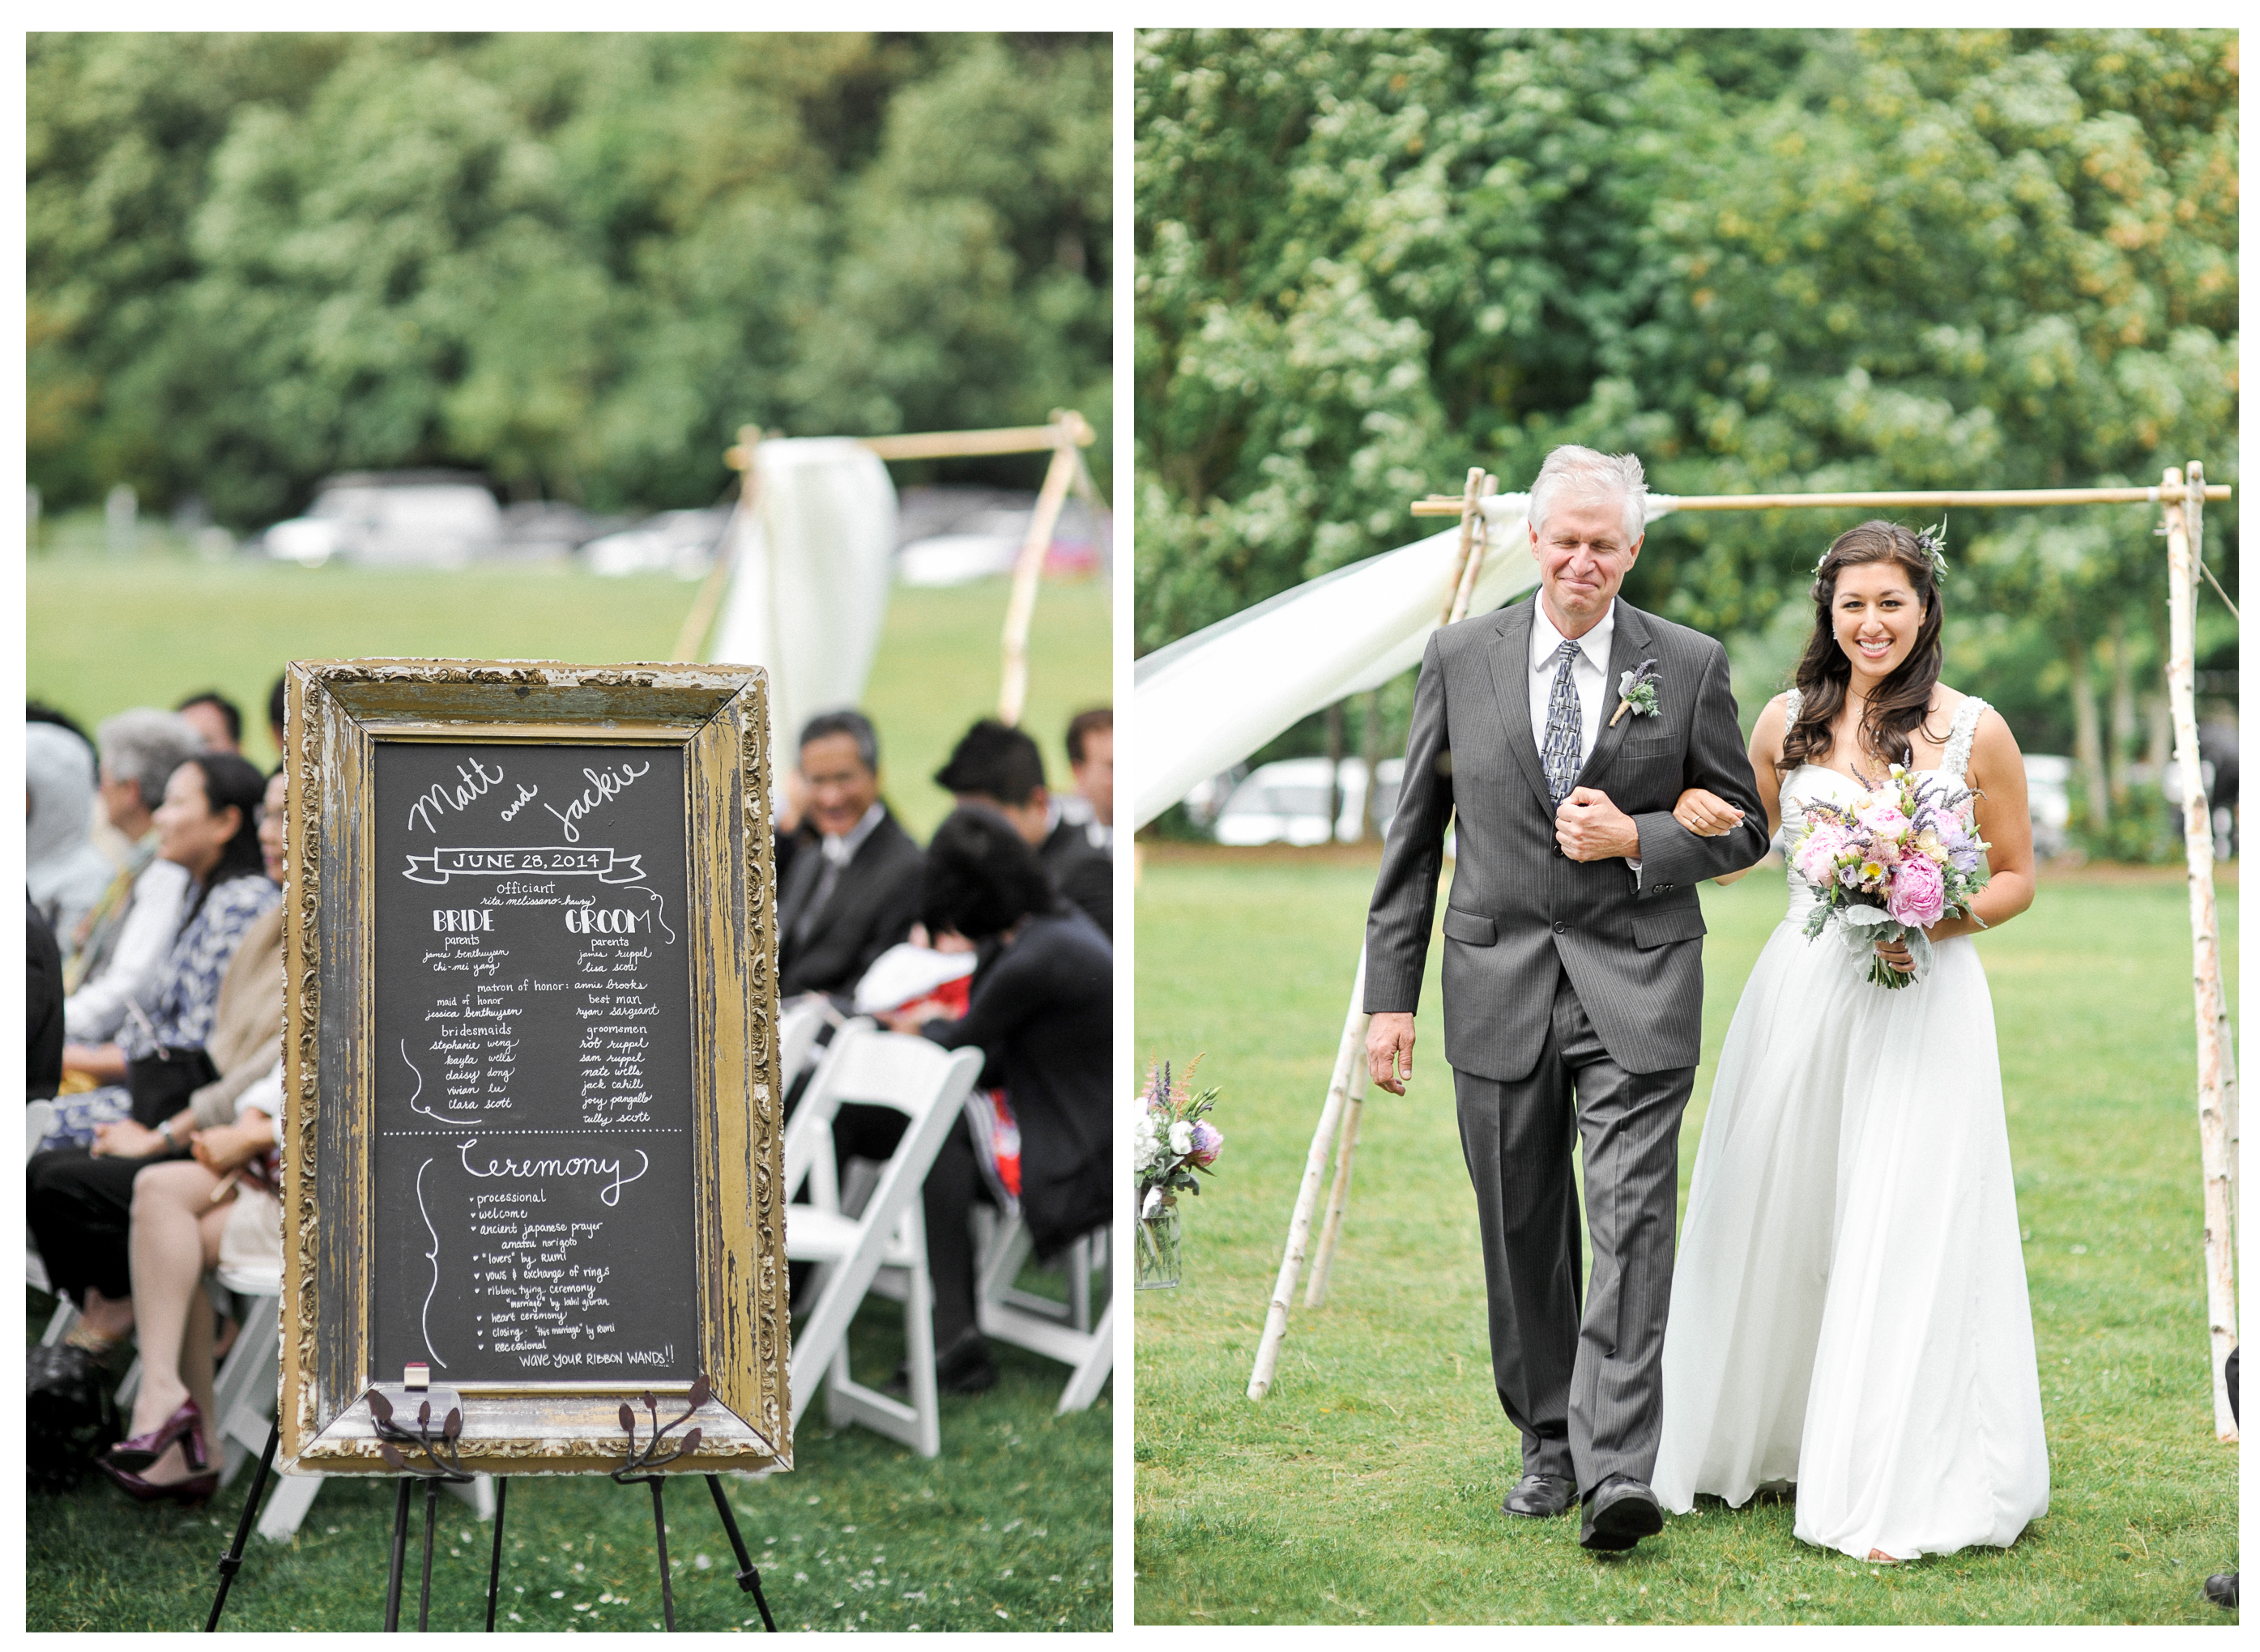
{"x":1849,"y":1312}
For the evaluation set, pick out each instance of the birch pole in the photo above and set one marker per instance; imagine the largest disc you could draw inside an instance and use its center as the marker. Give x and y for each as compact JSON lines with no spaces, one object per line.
{"x":691,"y":640}
{"x":1307,"y":1197}
{"x":1475,"y":548}
{"x":2204,"y":935}
{"x":2193,"y":512}
{"x":1345,"y":1102}
{"x":1070,"y":432}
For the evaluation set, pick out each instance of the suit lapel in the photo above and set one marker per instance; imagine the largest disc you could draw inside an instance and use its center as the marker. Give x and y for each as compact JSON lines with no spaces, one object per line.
{"x":1509,"y":681}
{"x":1627,"y":647}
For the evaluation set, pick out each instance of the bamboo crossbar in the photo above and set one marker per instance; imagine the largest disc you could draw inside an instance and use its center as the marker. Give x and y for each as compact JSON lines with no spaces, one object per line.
{"x":1025,"y":438}
{"x":1966,"y":498}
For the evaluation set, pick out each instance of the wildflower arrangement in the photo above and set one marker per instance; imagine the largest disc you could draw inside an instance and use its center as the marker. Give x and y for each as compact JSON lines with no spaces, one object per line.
{"x":1636,"y":692}
{"x":1172,"y":1139}
{"x":1904,"y":855}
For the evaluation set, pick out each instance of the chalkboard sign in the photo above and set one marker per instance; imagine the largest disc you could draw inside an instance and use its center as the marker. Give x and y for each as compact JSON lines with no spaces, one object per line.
{"x":533,"y":1129}
{"x":533,"y":1169}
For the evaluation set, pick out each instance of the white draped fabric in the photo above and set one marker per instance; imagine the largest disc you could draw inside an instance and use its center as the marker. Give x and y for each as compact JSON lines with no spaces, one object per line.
{"x":808,"y":591}
{"x":1206,"y":701}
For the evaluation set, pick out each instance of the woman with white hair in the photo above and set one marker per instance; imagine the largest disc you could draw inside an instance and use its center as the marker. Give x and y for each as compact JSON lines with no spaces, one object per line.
{"x":64,"y":872}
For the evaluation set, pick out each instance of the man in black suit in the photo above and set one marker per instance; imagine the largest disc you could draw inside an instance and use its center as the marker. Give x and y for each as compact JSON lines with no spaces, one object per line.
{"x":1002,"y":768}
{"x":848,"y":873}
{"x":1573,"y":969}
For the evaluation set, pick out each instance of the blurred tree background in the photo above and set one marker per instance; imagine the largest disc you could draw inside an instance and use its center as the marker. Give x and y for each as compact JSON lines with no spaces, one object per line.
{"x":1763,"y":261}
{"x":576,"y":262}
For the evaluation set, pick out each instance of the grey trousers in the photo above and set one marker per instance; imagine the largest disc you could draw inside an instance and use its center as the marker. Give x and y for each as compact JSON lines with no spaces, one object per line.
{"x":1584,"y":1387}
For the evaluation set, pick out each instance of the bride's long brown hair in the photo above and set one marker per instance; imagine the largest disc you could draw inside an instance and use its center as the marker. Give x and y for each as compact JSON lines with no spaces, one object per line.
{"x":1823,"y":675}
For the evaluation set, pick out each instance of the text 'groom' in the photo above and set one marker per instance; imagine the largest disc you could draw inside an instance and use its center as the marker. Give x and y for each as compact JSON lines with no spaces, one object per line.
{"x":1560,"y":732}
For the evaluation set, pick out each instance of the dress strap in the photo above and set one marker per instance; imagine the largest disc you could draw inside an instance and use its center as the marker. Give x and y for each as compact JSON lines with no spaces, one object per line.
{"x":1794,"y":702}
{"x":1957,"y":762}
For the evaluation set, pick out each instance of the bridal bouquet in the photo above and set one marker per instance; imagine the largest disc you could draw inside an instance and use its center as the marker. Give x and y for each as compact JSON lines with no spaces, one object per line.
{"x":1903,"y":855}
{"x":1171,"y":1139}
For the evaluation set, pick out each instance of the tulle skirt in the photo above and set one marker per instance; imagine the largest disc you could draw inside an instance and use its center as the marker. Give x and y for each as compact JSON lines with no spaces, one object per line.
{"x":1848,"y":1310}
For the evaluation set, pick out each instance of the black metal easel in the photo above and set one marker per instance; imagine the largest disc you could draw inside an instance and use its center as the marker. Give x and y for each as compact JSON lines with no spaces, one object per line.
{"x":439,"y":1451}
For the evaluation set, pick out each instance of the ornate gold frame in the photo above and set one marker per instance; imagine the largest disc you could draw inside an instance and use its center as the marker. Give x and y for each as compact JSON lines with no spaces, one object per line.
{"x":337,"y":712}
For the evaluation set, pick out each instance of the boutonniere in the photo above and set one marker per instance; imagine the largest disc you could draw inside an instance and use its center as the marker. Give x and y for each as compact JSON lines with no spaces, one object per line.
{"x":1637,"y":688}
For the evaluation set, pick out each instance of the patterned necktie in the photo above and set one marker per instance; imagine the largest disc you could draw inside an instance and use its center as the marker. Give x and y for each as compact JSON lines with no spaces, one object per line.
{"x":1564,"y":753}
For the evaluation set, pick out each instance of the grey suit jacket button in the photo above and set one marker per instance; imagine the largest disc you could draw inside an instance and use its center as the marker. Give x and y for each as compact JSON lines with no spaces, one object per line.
{"x":1665,"y":888}
{"x":1561,"y":929}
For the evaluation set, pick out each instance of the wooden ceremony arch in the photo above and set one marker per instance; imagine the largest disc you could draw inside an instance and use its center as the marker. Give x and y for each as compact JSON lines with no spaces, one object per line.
{"x":1064,"y":438}
{"x":2181,"y":494}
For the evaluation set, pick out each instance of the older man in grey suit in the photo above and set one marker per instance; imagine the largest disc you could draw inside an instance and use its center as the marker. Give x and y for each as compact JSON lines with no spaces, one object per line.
{"x":1573,"y":968}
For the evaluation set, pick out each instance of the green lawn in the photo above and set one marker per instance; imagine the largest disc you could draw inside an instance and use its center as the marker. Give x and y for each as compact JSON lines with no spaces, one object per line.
{"x":106,"y":633}
{"x":1010,"y":1528}
{"x":1366,"y":1487}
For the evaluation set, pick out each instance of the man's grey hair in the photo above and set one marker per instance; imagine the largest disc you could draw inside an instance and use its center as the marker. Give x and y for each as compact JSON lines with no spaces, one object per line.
{"x":853,"y":724}
{"x":145,"y":745}
{"x":1583,"y":474}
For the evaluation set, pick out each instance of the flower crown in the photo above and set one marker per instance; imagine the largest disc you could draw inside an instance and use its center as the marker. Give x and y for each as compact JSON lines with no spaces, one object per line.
{"x":1932,"y":541}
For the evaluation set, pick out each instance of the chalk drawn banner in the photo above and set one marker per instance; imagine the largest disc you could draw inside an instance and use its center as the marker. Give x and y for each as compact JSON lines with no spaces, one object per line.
{"x":606,"y":866}
{"x":533,"y":1137}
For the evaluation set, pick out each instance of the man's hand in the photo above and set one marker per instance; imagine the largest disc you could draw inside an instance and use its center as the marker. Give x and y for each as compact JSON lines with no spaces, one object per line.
{"x":1389,"y":1050}
{"x":1589,"y":827}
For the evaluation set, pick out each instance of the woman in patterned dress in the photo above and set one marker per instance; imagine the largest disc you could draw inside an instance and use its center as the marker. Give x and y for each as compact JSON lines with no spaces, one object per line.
{"x":78,"y":1199}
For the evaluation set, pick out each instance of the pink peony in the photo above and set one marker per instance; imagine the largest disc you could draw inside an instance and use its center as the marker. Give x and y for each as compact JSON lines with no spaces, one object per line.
{"x":1884,"y":822}
{"x":1208,"y":1142}
{"x":1816,"y":856}
{"x":1918,"y":892}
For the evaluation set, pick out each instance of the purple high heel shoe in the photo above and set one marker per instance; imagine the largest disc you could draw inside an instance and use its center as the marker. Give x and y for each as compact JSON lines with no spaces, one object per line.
{"x":138,"y":1453}
{"x":193,"y":1491}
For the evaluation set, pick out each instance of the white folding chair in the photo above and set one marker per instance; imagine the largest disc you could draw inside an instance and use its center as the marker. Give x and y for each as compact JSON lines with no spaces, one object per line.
{"x":928,"y":1085}
{"x":1062,"y":1331}
{"x":799,"y":1022}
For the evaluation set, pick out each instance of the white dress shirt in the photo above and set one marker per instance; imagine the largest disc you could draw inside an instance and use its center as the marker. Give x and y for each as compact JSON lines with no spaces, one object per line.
{"x":1590,"y":674}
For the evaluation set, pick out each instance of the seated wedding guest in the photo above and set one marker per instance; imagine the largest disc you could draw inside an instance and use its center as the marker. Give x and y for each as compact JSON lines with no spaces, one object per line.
{"x":188,"y":1216}
{"x":63,"y":869}
{"x":77,"y":1196}
{"x":125,"y":934}
{"x":43,"y":1008}
{"x":216,"y":717}
{"x":1001,"y":768}
{"x":214,"y":1028}
{"x":1091,"y":760}
{"x":1041,"y":1012}
{"x":848,"y":878}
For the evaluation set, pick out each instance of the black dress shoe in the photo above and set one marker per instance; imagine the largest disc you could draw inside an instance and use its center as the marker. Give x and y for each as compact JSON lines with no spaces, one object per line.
{"x":1619,"y":1513}
{"x":2221,"y":1589}
{"x":1541,"y":1497}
